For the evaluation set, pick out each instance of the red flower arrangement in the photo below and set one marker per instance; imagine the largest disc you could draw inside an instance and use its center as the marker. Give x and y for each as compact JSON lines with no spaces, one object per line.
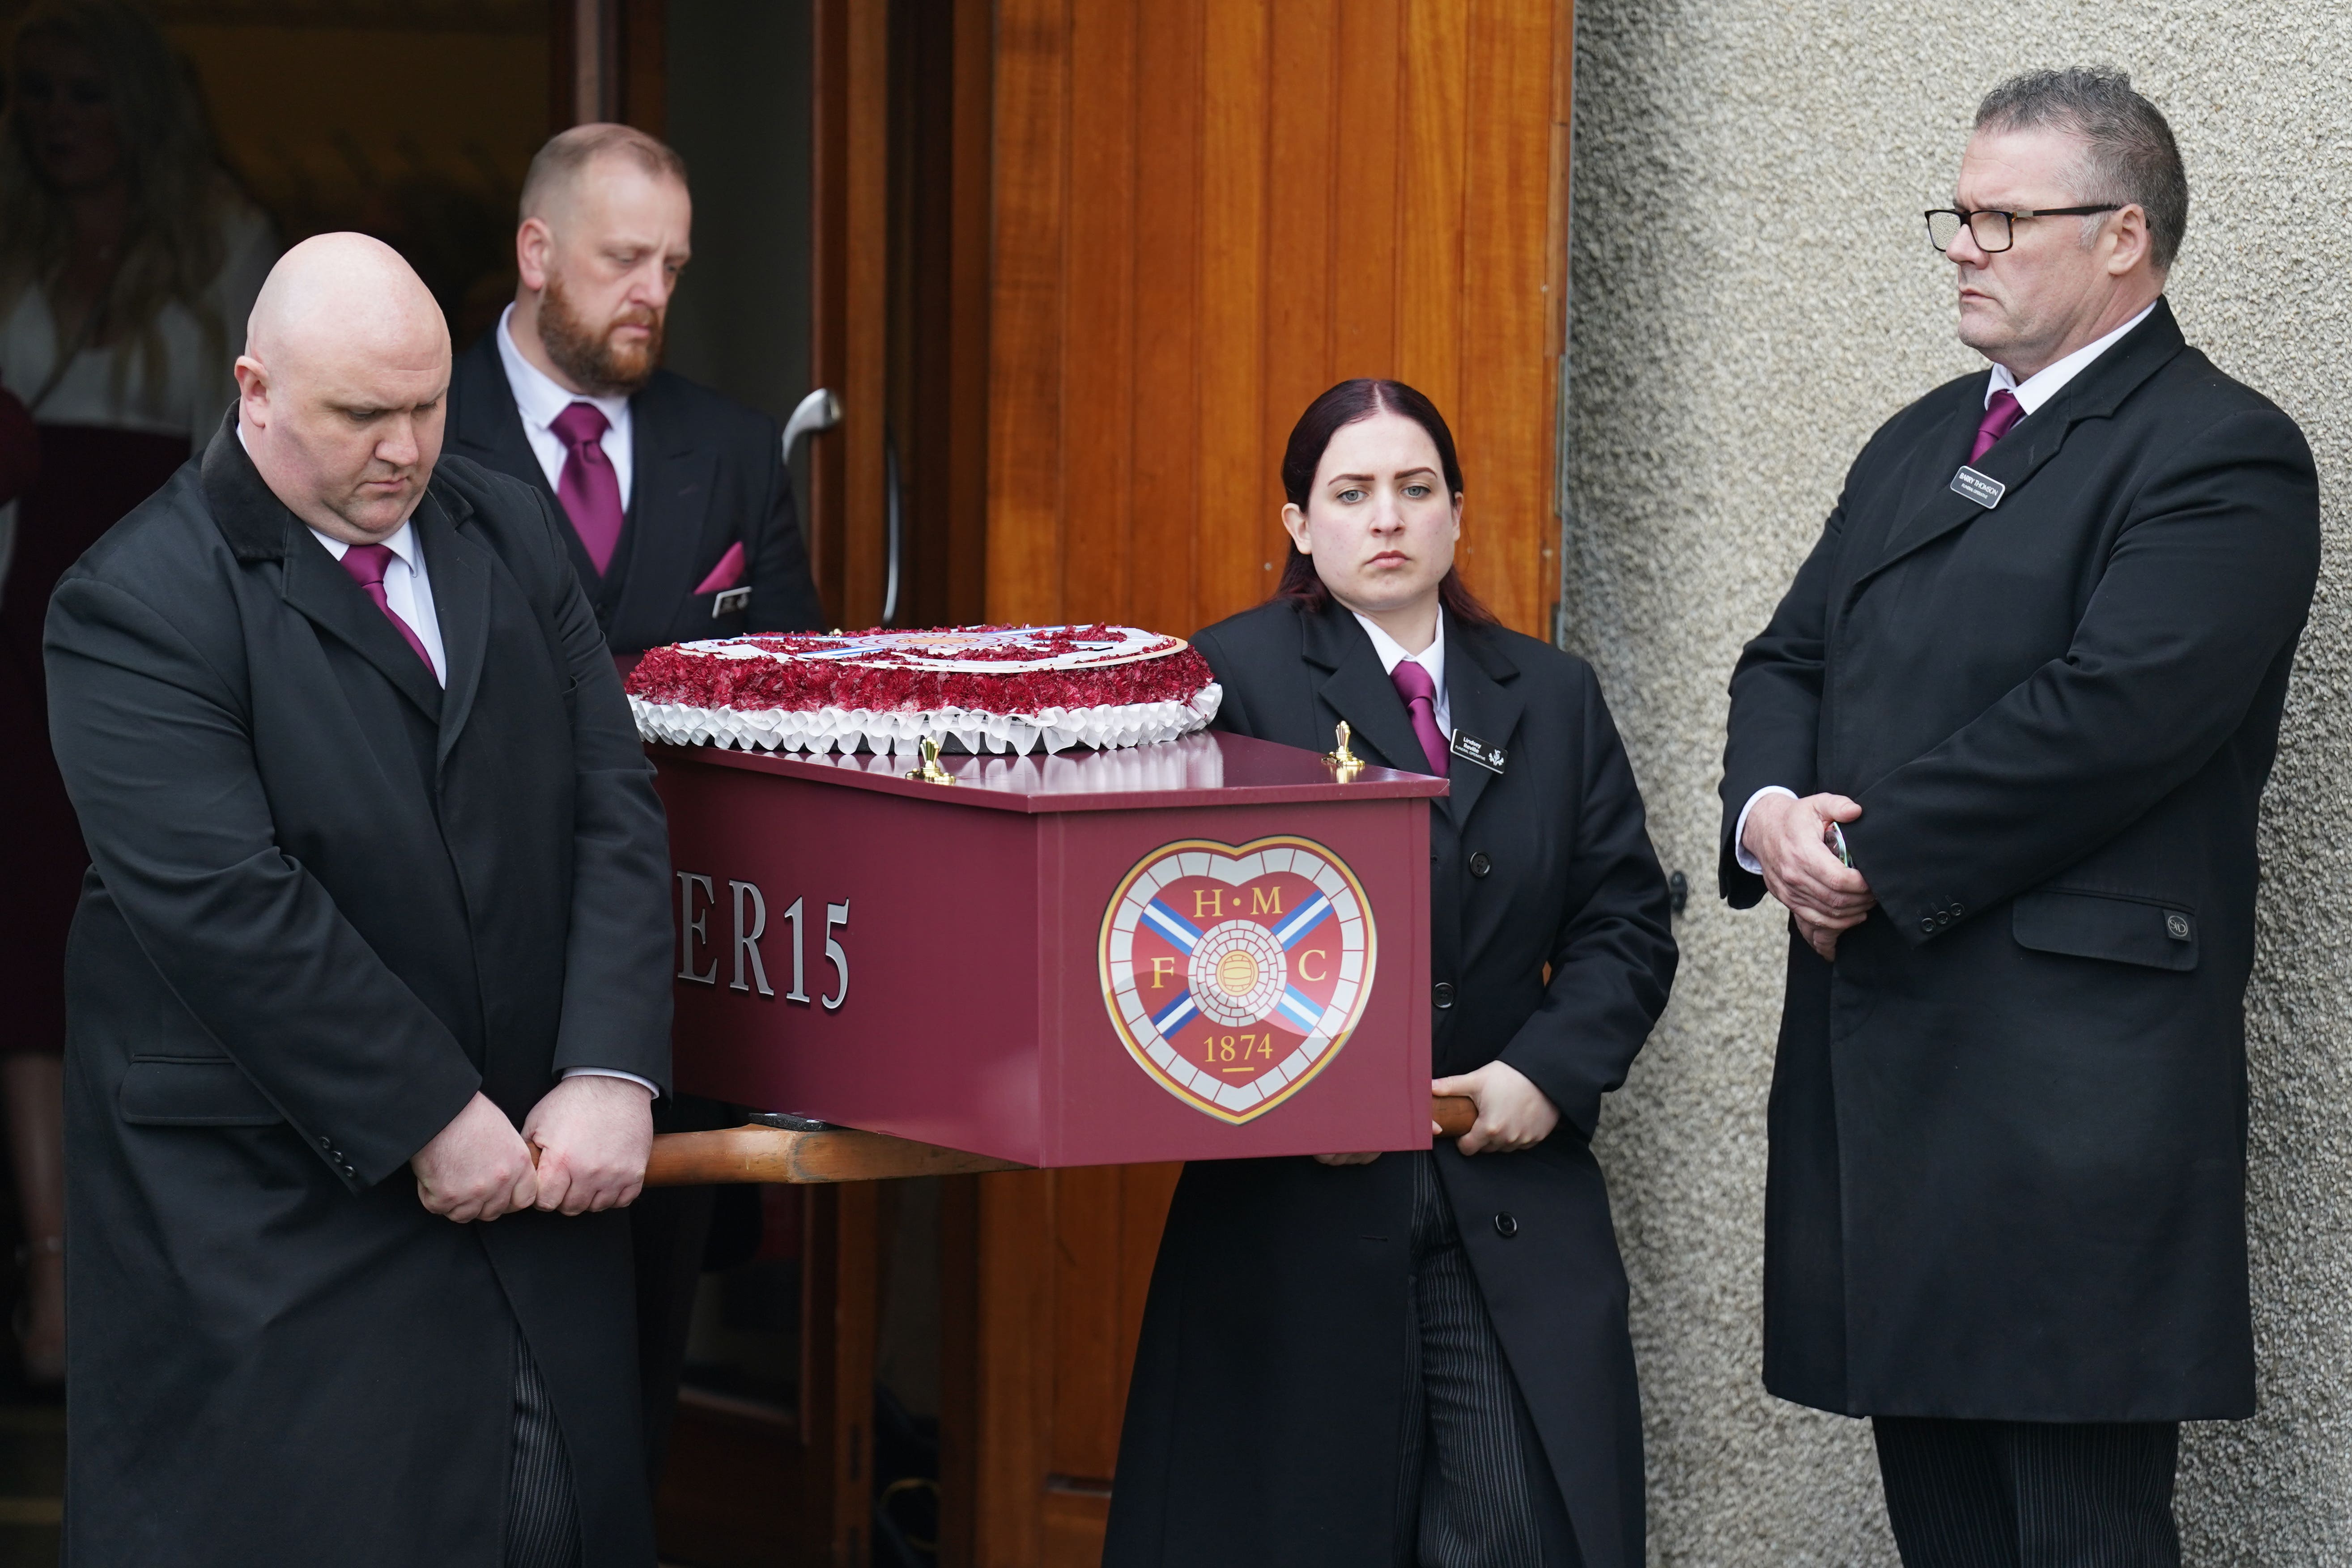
{"x":902,"y":672}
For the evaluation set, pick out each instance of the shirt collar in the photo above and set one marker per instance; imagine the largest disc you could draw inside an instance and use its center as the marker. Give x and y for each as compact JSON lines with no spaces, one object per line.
{"x":1431,"y":659}
{"x":538,"y":396}
{"x":2048,"y":380}
{"x":402,"y":543}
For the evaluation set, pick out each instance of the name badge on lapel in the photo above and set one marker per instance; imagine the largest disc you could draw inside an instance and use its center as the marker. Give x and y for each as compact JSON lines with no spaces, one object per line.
{"x":1985,"y":491}
{"x":1471,"y":749}
{"x":728,"y":600}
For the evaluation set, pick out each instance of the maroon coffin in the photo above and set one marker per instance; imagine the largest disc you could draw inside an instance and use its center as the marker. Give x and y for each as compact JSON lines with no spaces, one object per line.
{"x":1207,"y":948}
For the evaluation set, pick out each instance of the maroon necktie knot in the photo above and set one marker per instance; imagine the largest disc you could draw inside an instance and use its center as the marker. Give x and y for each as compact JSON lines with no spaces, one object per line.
{"x":1420,"y":693}
{"x":588,"y":488}
{"x":367,"y":564}
{"x":2002,"y":410}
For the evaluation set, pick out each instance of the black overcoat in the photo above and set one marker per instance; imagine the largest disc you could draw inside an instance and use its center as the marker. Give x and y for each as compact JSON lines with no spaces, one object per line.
{"x":2008,"y":1125}
{"x":1264,"y":1419}
{"x":331,"y":900}
{"x":706,"y":473}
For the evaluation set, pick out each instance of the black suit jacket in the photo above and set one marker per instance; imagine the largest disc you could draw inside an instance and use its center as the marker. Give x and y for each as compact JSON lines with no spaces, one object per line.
{"x":1292,"y":1425}
{"x":2007,"y":1125}
{"x":706,"y":473}
{"x":332,"y":900}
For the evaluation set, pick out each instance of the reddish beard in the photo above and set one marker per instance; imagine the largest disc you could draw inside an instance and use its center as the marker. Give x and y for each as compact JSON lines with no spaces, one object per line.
{"x":586,"y":353}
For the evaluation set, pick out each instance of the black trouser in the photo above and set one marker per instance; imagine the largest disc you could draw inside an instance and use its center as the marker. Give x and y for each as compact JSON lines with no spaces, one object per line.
{"x":2029,"y":1494}
{"x":542,"y":1509}
{"x":1476,"y":1489}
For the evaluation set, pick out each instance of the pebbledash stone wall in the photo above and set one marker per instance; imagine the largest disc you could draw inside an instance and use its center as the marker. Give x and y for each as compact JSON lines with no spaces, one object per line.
{"x":1753,"y":294}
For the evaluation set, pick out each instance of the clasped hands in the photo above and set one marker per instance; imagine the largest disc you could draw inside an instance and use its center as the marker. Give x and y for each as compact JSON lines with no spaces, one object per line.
{"x":581,"y":1149}
{"x":1512,"y":1113}
{"x":1826,"y":897}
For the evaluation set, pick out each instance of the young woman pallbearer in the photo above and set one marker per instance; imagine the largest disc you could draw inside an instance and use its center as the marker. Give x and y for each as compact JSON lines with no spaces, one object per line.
{"x":1420,"y":1358}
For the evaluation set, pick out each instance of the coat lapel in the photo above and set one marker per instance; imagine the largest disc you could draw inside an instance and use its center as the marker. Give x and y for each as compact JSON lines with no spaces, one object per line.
{"x":1480,"y":701}
{"x":459,"y":565}
{"x":317,"y":585}
{"x":668,"y":495}
{"x":1360,"y":691}
{"x":2037,"y":439}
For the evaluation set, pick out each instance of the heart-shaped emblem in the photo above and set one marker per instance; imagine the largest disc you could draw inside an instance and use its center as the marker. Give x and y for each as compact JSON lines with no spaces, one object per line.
{"x":1235,"y":973}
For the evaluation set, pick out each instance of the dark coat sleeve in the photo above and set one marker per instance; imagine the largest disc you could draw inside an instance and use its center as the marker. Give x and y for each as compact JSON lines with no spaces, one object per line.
{"x":783,"y":593}
{"x":1233,"y":716}
{"x":616,"y":987}
{"x":1776,"y":707}
{"x":157,"y":755}
{"x":2208,"y":584}
{"x":1613,"y":962}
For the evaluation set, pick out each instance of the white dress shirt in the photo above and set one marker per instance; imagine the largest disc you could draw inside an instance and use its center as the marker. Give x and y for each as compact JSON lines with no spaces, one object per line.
{"x":1431,"y":659}
{"x":2031,"y":393}
{"x":539,"y":400}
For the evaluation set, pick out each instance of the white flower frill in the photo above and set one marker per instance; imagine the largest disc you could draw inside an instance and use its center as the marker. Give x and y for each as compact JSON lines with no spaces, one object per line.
{"x":898,"y":734}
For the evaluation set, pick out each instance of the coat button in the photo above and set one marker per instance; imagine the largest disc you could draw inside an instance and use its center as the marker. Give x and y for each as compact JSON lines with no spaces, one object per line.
{"x":1480,"y":865}
{"x":1507,"y":1226}
{"x":1927,"y":925}
{"x":1442,"y":994}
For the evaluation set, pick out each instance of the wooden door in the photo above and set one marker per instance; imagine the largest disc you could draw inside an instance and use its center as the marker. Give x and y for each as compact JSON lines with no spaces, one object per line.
{"x":1204,"y":212}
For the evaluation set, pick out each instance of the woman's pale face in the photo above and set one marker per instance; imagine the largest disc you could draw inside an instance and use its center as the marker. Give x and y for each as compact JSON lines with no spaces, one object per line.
{"x":1378,"y":521}
{"x":65,"y":106}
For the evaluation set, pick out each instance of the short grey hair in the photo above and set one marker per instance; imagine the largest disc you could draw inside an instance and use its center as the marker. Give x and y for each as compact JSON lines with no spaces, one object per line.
{"x":2129,"y":154}
{"x":567,"y":152}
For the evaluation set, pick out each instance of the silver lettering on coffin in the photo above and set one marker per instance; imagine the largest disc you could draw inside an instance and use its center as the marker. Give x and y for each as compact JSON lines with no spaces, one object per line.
{"x":692,"y":927}
{"x":747,"y":943}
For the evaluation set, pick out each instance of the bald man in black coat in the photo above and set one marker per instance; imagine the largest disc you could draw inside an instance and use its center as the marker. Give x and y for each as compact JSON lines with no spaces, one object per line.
{"x":378,"y":914}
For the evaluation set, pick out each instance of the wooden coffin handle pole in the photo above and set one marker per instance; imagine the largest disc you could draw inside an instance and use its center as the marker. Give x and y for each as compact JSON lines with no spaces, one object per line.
{"x":1453,"y":1113}
{"x":758,"y":1154}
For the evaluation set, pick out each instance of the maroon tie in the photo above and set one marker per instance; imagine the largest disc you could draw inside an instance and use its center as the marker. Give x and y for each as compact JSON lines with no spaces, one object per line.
{"x":1419,"y":694}
{"x":589,"y":488}
{"x":367,"y":564}
{"x":2002,"y":411}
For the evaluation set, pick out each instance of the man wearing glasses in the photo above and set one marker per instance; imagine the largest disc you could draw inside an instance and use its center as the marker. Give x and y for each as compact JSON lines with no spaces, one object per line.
{"x":1998,"y":753}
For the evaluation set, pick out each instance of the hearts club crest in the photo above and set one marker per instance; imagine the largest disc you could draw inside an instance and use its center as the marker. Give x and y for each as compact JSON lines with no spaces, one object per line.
{"x":1234,"y":974}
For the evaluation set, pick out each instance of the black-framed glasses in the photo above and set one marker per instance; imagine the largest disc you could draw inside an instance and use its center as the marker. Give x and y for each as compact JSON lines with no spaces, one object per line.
{"x":1995,"y":231}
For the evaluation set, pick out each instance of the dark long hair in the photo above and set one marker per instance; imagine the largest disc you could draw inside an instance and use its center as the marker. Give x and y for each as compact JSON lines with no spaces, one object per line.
{"x":1344,"y":404}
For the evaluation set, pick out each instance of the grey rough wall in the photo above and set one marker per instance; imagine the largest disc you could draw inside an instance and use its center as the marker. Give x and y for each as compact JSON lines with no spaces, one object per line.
{"x":1754,"y":293}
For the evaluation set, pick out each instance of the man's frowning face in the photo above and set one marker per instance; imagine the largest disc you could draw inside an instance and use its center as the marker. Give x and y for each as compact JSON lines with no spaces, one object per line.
{"x":614,"y":247}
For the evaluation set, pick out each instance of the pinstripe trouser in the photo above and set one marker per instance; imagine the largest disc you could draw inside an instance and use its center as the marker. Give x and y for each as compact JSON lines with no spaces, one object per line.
{"x":2029,"y":1494}
{"x":1476,"y":1490}
{"x":542,"y":1515}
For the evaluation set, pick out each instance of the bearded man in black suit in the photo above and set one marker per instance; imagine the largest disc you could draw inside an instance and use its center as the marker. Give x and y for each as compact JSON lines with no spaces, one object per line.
{"x":377,"y":940}
{"x":1999,"y":754}
{"x":680,"y":507}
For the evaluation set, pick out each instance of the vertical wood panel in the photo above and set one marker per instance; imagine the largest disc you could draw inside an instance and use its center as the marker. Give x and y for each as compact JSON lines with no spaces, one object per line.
{"x":1087,"y":1387}
{"x":1024,"y":392}
{"x":1097,"y":351}
{"x":1502,"y":408}
{"x":1300,"y":238}
{"x":1015,"y":1368}
{"x":1163,"y":537}
{"x":1231,"y":311}
{"x":1429,"y":202}
{"x":1365,"y":186}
